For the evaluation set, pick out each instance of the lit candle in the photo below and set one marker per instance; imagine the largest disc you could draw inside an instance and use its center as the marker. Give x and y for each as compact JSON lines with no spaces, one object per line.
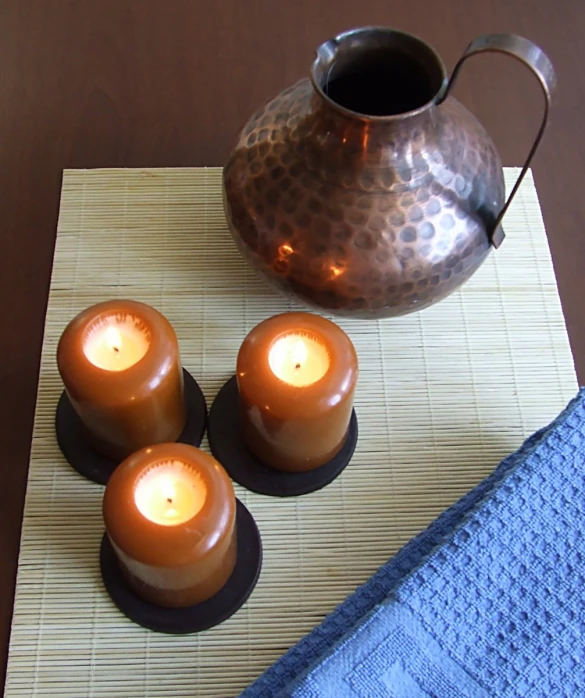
{"x":298,"y":360}
{"x":121,"y":368}
{"x":296,"y":377}
{"x":170,"y":494}
{"x":169,"y":512}
{"x":116,"y":343}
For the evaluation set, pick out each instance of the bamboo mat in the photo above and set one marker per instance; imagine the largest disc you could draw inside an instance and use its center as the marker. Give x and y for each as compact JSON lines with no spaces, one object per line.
{"x":442,"y":396}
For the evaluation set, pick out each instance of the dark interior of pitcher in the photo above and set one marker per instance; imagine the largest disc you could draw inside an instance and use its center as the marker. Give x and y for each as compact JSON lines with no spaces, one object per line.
{"x":380,"y":73}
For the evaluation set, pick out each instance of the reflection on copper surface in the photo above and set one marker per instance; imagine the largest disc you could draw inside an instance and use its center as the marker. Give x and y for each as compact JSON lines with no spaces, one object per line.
{"x":387,"y":212}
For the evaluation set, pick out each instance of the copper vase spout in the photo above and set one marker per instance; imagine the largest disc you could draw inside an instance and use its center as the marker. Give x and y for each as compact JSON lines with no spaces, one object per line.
{"x":367,"y":190}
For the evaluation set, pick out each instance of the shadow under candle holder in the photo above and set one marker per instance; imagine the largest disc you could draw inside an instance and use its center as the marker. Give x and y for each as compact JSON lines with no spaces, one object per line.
{"x":91,"y":464}
{"x":226,"y":441}
{"x":207,"y":614}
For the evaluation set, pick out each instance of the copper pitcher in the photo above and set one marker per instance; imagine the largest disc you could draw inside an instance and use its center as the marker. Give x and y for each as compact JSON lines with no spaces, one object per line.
{"x":367,"y":190}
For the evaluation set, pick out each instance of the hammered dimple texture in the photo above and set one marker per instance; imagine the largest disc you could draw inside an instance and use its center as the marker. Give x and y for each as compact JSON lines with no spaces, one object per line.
{"x":363,"y":218}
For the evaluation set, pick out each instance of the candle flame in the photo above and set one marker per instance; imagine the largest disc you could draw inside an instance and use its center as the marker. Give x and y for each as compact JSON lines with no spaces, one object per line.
{"x":170,"y":492}
{"x":299,"y":353}
{"x":168,"y":489}
{"x":298,"y":360}
{"x":113,"y":338}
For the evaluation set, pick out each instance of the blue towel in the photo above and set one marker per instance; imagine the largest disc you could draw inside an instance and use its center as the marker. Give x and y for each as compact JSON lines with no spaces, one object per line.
{"x":488,"y":601}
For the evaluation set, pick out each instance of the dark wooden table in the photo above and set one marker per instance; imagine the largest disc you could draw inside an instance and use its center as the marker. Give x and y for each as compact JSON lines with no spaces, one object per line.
{"x":153,"y":83}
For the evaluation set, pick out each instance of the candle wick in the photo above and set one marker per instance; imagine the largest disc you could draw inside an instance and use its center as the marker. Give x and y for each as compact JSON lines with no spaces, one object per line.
{"x":169,"y":500}
{"x":298,"y":366}
{"x":115,"y":349}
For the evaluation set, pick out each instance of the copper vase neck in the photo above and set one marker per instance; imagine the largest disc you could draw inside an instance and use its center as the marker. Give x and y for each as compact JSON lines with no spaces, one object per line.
{"x":378,"y":75}
{"x":378,"y":138}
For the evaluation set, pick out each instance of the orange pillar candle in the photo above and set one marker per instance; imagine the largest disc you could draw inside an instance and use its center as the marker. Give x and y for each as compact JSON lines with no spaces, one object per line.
{"x":170,"y":514}
{"x":296,"y":377}
{"x":120,"y":364}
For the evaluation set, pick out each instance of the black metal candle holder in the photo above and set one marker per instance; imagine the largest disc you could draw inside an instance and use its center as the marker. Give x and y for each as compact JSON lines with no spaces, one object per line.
{"x":191,"y":619}
{"x":226,"y":441}
{"x":94,"y":466}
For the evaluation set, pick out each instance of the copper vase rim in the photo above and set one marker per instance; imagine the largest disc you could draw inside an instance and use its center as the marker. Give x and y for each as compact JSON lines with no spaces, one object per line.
{"x":329,"y":47}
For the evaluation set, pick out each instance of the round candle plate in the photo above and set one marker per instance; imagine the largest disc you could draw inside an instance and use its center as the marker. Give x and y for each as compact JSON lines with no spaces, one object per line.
{"x":192,"y":619}
{"x":227,"y":445}
{"x":93,"y":465}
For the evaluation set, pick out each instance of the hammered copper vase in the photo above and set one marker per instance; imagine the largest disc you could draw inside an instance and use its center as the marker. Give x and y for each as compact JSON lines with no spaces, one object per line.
{"x":366,"y":190}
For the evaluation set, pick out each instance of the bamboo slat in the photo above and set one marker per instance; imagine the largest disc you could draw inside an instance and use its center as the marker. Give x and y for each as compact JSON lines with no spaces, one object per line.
{"x":443,"y":396}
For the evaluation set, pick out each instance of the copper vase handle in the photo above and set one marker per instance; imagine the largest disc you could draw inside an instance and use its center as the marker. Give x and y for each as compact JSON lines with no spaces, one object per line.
{"x":534,"y":58}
